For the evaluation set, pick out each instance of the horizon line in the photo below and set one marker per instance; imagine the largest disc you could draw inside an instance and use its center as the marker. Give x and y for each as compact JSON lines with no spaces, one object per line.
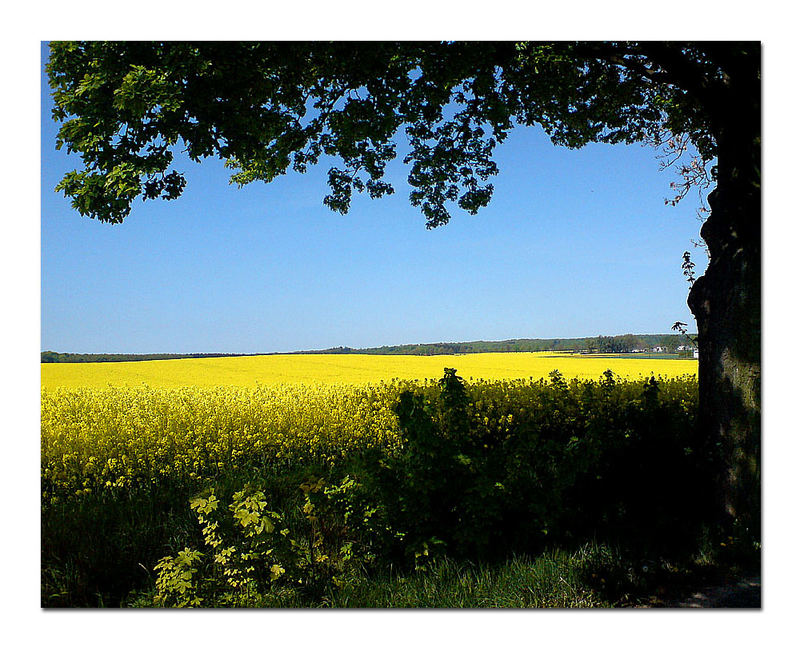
{"x":354,"y":348}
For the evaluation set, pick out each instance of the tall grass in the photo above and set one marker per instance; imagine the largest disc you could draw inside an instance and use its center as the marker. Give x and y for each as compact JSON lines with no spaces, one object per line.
{"x":552,"y":580}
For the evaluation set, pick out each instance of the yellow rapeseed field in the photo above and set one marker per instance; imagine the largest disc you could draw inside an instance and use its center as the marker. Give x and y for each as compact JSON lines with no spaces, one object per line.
{"x":113,"y":437}
{"x":351,"y":369}
{"x":111,"y":425}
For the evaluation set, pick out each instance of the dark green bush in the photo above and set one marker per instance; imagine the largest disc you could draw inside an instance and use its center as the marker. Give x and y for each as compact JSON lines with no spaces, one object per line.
{"x":490,"y":468}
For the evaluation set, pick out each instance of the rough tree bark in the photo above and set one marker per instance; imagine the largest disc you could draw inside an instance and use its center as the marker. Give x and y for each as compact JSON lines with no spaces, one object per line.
{"x":726,"y":302}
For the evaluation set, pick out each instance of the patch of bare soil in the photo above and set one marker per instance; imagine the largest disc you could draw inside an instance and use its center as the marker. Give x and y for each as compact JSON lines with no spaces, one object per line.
{"x":744,"y":593}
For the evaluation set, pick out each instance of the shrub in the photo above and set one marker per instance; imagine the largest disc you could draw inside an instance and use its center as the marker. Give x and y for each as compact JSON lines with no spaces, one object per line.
{"x":486,"y":469}
{"x":252,"y":555}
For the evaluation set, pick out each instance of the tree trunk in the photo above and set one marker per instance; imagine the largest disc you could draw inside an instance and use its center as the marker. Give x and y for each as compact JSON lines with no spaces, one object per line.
{"x":726,"y":302}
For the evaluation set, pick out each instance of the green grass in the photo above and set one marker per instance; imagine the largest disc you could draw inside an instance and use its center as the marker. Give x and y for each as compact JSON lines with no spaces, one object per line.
{"x":553,"y":580}
{"x":593,"y":576}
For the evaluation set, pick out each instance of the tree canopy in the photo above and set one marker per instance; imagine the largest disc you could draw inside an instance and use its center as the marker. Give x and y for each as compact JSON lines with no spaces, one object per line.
{"x":266,"y":108}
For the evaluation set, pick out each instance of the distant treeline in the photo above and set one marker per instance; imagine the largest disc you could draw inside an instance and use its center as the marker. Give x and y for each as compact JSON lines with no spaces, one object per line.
{"x":601,"y":344}
{"x":51,"y":357}
{"x":613,"y":344}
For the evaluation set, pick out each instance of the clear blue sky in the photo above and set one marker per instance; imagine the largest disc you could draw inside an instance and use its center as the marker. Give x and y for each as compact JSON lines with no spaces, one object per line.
{"x":574,"y":243}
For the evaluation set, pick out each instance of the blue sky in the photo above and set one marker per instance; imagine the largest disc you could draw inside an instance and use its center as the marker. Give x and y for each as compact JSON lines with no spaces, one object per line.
{"x":574,"y":243}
